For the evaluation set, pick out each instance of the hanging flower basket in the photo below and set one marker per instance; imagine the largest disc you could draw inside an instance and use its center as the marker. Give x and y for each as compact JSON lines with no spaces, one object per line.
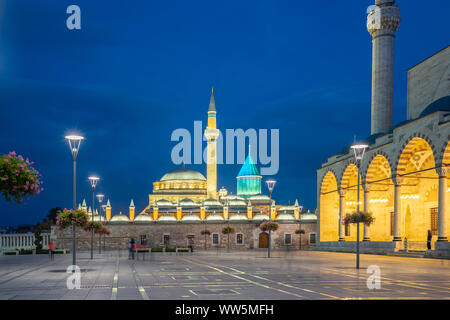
{"x":269,"y":226}
{"x":362,"y":217}
{"x":104,"y":230}
{"x":205,"y":232}
{"x":18,"y":179}
{"x":299,"y":231}
{"x":228,"y":230}
{"x":96,"y":225}
{"x":67,"y":218}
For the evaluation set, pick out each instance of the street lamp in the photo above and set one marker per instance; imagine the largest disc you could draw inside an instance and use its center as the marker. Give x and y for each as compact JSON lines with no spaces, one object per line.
{"x":359,"y":150}
{"x":93,"y":180}
{"x":74,"y":145}
{"x":270,"y":185}
{"x":100,"y":200}
{"x":104,"y":236}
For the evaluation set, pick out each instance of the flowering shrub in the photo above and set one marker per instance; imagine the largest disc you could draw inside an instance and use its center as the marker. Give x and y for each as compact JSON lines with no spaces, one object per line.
{"x":299,"y":231}
{"x":207,"y":232}
{"x":67,"y":218}
{"x":266,"y":226}
{"x":18,"y":179}
{"x":227,"y":230}
{"x":362,"y":217}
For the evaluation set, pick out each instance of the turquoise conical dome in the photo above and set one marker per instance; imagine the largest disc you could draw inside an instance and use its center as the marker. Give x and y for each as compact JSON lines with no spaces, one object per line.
{"x":249,"y":168}
{"x":248,"y":179}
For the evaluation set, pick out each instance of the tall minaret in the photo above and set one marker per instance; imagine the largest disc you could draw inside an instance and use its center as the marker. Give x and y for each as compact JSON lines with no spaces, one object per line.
{"x":211,"y":134}
{"x":382,"y":22}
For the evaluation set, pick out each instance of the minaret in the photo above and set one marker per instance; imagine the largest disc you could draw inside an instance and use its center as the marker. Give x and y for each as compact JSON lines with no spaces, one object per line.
{"x":382,"y":22}
{"x":211,"y":134}
{"x":108,"y":211}
{"x":131,"y":210}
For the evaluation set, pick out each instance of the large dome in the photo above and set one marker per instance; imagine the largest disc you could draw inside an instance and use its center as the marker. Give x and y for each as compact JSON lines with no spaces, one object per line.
{"x":183,"y":174}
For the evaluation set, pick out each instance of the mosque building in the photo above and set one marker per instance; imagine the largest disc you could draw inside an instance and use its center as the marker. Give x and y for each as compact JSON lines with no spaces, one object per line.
{"x":405,"y":169}
{"x":184,"y":202}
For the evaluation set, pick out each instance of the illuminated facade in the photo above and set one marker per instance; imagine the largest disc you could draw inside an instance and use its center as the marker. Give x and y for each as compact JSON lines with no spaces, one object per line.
{"x":185,"y":195}
{"x":405,"y":169}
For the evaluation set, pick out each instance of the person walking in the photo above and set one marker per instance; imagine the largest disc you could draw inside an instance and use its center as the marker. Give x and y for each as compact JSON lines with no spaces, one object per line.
{"x":131,"y":248}
{"x":429,"y":237}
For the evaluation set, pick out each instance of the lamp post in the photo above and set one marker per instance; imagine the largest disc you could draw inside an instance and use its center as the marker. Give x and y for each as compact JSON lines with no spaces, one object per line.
{"x":358,"y":150}
{"x":100,"y":200}
{"x":270,"y":185}
{"x":93,"y":180}
{"x":104,"y":236}
{"x":74,"y":145}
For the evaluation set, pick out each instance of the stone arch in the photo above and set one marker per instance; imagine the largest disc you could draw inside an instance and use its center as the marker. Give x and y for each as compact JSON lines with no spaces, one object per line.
{"x":349,"y":171}
{"x":379,"y":165}
{"x":416,"y":165}
{"x":444,"y":155}
{"x":329,"y":207}
{"x":406,"y":148}
{"x":329,"y":177}
{"x":380,"y":197}
{"x":369,"y":162}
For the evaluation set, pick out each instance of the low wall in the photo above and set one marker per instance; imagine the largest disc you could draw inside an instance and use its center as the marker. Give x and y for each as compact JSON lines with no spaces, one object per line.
{"x":381,"y":247}
{"x":178,"y":233}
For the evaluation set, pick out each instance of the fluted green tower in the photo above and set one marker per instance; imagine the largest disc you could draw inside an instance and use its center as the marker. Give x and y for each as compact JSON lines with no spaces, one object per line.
{"x":248,"y":179}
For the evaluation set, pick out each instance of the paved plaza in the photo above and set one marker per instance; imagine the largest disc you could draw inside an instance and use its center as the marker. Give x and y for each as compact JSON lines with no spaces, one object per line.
{"x":221,"y":275}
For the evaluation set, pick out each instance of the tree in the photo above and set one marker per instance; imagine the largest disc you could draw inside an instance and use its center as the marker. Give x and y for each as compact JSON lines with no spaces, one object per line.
{"x":269,"y":226}
{"x":300,"y":232}
{"x":38,"y":237}
{"x":18,"y":179}
{"x":53,"y":213}
{"x":205,"y":232}
{"x":228,"y":230}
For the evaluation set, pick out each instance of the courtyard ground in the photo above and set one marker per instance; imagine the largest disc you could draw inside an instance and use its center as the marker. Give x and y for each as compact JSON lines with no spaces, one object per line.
{"x":221,"y":275}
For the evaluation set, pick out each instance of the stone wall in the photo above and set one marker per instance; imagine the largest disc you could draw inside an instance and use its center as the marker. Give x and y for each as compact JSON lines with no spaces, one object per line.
{"x":178,"y":233}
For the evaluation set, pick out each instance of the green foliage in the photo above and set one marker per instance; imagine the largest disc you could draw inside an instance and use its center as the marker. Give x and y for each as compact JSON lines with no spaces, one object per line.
{"x":228,"y":230}
{"x":299,"y":231}
{"x":171,"y":249}
{"x":266,"y":226}
{"x":157,"y":250}
{"x":18,"y":179}
{"x":38,"y":237}
{"x":67,"y":218}
{"x":362,"y":217}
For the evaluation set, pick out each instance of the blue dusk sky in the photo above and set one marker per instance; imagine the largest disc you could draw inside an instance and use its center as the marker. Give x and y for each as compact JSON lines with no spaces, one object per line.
{"x":137,"y":70}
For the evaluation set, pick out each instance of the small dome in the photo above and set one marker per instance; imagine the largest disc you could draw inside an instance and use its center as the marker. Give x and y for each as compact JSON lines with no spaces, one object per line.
{"x":143,"y":217}
{"x":212,"y":203}
{"x":232,"y":197}
{"x":167,"y":217}
{"x":261,"y":216}
{"x":286,"y":208}
{"x":188,"y":202}
{"x":99,"y":218}
{"x":213,"y":217}
{"x":190,"y":217}
{"x":164,"y":203}
{"x":308,"y":216}
{"x":259,"y":197}
{"x":183,"y":174}
{"x":285,"y":216}
{"x":238,"y":216}
{"x":237,"y":203}
{"x":442,"y":104}
{"x":120,"y":218}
